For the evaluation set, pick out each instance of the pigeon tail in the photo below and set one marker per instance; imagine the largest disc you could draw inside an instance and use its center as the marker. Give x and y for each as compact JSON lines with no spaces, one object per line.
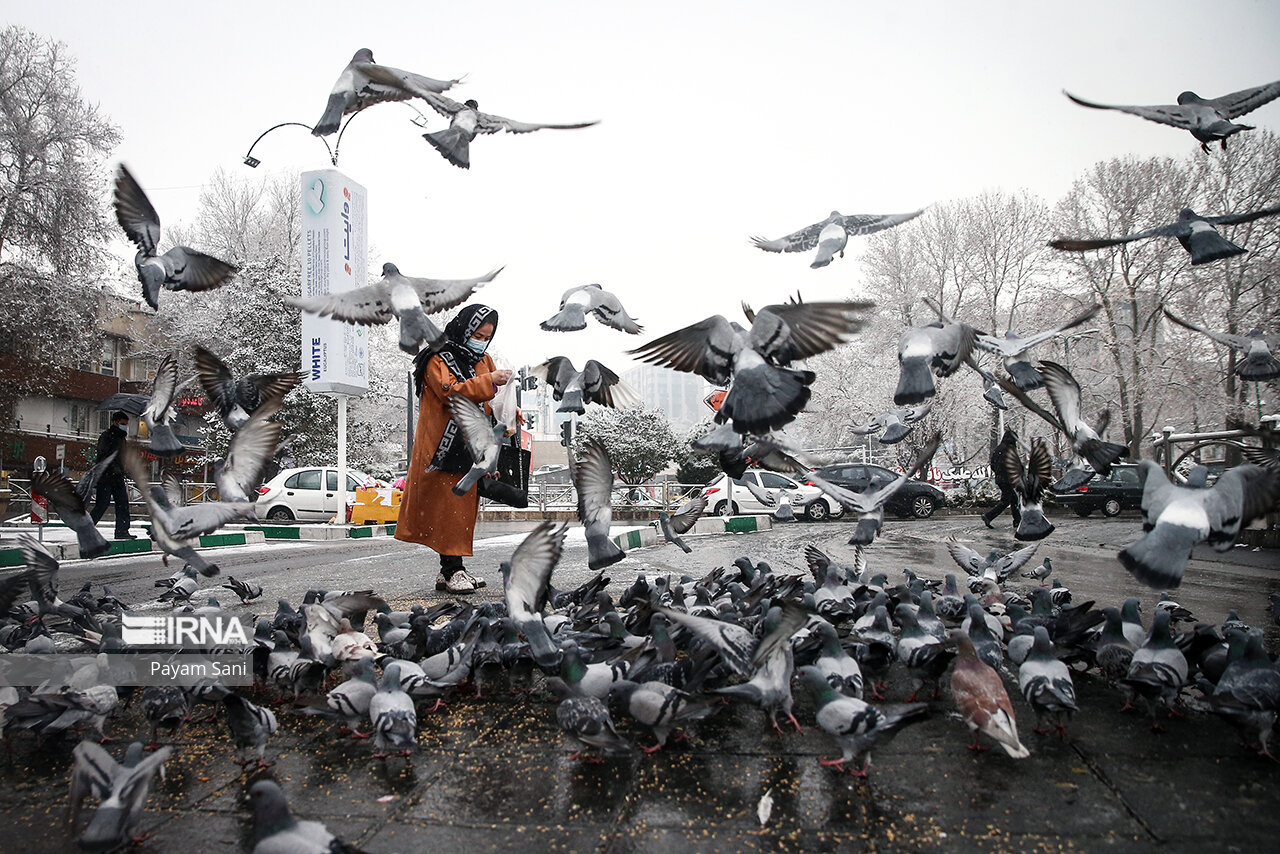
{"x":825,"y":254}
{"x":865,"y":533}
{"x":1033,"y":525}
{"x":602,"y":552}
{"x":415,"y":328}
{"x":572,"y":402}
{"x":107,"y":830}
{"x":764,"y":397}
{"x":91,"y":542}
{"x":332,"y":117}
{"x":163,"y":441}
{"x":1158,"y":559}
{"x":1258,"y":367}
{"x":896,"y":433}
{"x":1025,"y":376}
{"x":453,"y":145}
{"x":722,"y":438}
{"x":1102,"y":454}
{"x":568,"y":319}
{"x":915,"y":382}
{"x":1206,"y":246}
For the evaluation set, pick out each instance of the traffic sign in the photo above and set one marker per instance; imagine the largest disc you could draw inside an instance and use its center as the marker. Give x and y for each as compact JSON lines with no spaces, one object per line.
{"x":716,"y":399}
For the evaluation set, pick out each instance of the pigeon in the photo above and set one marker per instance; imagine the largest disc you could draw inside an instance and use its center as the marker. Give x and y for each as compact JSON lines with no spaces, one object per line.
{"x":395,"y":724}
{"x":990,"y":385}
{"x":832,"y":234}
{"x":1013,"y":347}
{"x":1158,"y":669}
{"x":939,"y":348}
{"x":894,"y":422}
{"x":396,"y":295}
{"x":364,"y":83}
{"x":121,"y":789}
{"x":577,"y":303}
{"x":1114,"y":651}
{"x":925,"y":656}
{"x":1131,"y":621}
{"x":682,"y":521}
{"x":996,"y":566}
{"x":1196,"y":233}
{"x":772,"y":663}
{"x":42,"y":581}
{"x":155,"y":409}
{"x":483,"y":438}
{"x":466,"y":120}
{"x":251,"y":725}
{"x":1046,"y":684}
{"x":350,"y":700}
{"x":856,"y":726}
{"x":983,"y":702}
{"x":247,"y":591}
{"x":593,"y":480}
{"x":869,"y":505}
{"x":1064,"y":391}
{"x":87,"y":486}
{"x":525,"y":580}
{"x":275,"y":831}
{"x":1029,"y":484}
{"x":1247,"y":694}
{"x":658,"y":706}
{"x":1208,"y":119}
{"x":70,"y":507}
{"x":181,"y":268}
{"x":1258,"y":364}
{"x":1176,"y":518}
{"x":840,"y":670}
{"x":235,"y":400}
{"x":587,"y":721}
{"x":239,"y":473}
{"x":764,"y":394}
{"x":163,"y":706}
{"x":593,"y":384}
{"x":183,"y":588}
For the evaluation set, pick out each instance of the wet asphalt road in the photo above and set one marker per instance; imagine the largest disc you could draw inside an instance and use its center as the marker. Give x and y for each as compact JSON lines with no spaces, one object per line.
{"x":493,"y":774}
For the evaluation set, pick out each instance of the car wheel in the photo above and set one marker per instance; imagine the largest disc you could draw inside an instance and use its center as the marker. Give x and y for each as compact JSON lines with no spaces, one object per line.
{"x":1111,"y":507}
{"x":723,"y":509}
{"x":1083,"y":512}
{"x":817,"y":511}
{"x":922,"y":507}
{"x":280,"y":513}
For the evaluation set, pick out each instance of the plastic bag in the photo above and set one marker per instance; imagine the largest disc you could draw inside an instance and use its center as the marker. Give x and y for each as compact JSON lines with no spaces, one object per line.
{"x":504,"y":404}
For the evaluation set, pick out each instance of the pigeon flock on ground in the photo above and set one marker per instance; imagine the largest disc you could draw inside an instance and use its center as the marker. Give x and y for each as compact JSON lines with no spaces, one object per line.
{"x":637,"y":669}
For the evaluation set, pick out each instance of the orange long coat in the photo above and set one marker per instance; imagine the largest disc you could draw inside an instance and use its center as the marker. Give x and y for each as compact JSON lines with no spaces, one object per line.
{"x":430,"y":513}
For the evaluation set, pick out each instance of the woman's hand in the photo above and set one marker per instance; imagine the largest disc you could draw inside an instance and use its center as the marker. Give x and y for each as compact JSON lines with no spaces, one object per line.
{"x":501,"y":377}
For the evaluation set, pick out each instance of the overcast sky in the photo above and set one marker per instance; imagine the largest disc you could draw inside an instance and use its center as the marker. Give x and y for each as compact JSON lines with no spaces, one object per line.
{"x":719,"y":120}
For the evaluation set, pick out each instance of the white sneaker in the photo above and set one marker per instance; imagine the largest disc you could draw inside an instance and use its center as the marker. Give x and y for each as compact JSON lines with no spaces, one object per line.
{"x":460,"y":582}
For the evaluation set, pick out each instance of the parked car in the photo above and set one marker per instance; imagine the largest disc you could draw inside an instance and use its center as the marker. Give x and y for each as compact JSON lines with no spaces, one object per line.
{"x":914,"y":498}
{"x":1121,"y":490}
{"x":806,"y":500}
{"x":307,"y":493}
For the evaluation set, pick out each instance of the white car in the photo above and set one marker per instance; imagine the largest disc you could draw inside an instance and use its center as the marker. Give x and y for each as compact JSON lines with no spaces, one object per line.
{"x":306,"y":493}
{"x":807,"y":501}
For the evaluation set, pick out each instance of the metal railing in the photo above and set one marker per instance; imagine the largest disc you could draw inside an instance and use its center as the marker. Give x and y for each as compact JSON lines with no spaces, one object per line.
{"x":192,"y":493}
{"x":658,"y":495}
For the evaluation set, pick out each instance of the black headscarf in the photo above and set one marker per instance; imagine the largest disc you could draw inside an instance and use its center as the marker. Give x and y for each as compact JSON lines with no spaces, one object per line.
{"x":457,"y":356}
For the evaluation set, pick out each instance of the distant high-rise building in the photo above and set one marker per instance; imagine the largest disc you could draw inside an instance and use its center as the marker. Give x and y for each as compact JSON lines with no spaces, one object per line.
{"x":679,"y":395}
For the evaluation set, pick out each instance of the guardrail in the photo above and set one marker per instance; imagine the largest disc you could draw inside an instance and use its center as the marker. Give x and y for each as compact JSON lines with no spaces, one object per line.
{"x":192,"y":493}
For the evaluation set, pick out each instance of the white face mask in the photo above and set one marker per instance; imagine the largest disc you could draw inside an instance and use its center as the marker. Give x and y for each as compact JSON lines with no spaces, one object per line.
{"x":477,"y":346}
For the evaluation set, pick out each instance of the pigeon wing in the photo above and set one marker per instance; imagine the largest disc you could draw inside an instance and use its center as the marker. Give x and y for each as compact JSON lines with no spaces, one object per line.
{"x":1174,"y":229}
{"x":791,"y":331}
{"x":443,"y":294}
{"x":682,"y":520}
{"x":1259,"y":487}
{"x":607,"y":388}
{"x":135,"y":214}
{"x":443,"y":104}
{"x":799,"y":241}
{"x":1064,"y":391}
{"x":531,"y":566}
{"x":216,"y":379}
{"x":1234,"y":219}
{"x":408,"y":83}
{"x":1235,"y":342}
{"x":197,"y":271}
{"x":367,"y":306}
{"x":1173,"y":115}
{"x":477,"y":431}
{"x":969,"y":560}
{"x":252,"y":445}
{"x":557,"y":372}
{"x":705,"y":348}
{"x":1014,"y":561}
{"x":1017,"y":345}
{"x":1246,"y":100}
{"x":1040,"y":471}
{"x":870,"y":223}
{"x":593,"y":479}
{"x":489,"y":123}
{"x":163,"y":389}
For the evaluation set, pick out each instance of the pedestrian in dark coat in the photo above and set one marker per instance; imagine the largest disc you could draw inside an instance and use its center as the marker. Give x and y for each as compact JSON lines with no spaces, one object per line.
{"x":111,"y":485}
{"x":1008,"y":498}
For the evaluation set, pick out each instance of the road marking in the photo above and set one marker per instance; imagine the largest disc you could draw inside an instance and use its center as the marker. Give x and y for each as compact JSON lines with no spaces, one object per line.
{"x":372,"y":557}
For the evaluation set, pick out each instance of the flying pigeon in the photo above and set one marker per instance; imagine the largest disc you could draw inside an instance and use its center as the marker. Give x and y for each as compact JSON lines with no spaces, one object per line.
{"x":1175,"y":518}
{"x":364,"y":83}
{"x":525,"y":581}
{"x":983,"y":702}
{"x":593,"y":384}
{"x":252,"y":446}
{"x":395,"y":295}
{"x":869,"y":505}
{"x":1064,"y":392}
{"x":70,"y":507}
{"x":939,"y":348}
{"x":832,"y":234}
{"x":156,"y":409}
{"x":772,"y":664}
{"x":896,"y":423}
{"x":275,"y":831}
{"x":1029,"y":484}
{"x":181,"y":268}
{"x":995,"y":566}
{"x":1012,"y":348}
{"x":593,"y":480}
{"x":1258,"y":364}
{"x":1196,"y":234}
{"x":1208,"y":119}
{"x":121,"y":790}
{"x":235,"y":400}
{"x":764,"y":394}
{"x":682,"y":521}
{"x":856,"y":726}
{"x":1046,"y":684}
{"x":466,"y":120}
{"x":483,"y":439}
{"x":577,"y":303}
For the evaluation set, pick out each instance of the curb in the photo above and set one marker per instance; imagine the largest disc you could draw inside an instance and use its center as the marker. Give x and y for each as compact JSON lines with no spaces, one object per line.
{"x":71,"y":551}
{"x":322,"y":532}
{"x":649,"y":535}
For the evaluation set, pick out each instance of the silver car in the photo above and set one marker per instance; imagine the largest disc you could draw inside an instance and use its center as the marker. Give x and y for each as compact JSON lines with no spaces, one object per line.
{"x":309,"y":493}
{"x":807,"y":501}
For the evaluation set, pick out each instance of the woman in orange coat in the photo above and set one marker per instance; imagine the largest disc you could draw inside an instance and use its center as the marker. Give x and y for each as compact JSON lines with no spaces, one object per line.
{"x":430,"y":513}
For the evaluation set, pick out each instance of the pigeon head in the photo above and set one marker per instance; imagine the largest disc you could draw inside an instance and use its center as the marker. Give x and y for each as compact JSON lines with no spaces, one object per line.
{"x":1187,"y":213}
{"x":472,"y":103}
{"x":363,"y":55}
{"x":1189,"y":97}
{"x":389,"y":269}
{"x":270,"y":809}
